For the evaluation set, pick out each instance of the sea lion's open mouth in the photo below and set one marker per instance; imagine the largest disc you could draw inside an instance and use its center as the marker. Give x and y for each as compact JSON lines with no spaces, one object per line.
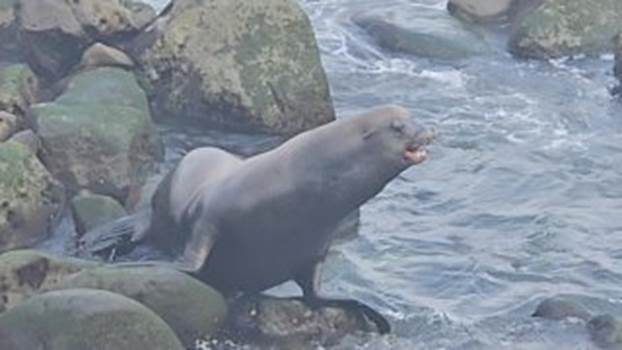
{"x":415,"y":154}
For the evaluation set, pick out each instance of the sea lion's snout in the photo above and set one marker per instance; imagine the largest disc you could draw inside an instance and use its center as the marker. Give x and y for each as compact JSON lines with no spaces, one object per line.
{"x":415,"y":151}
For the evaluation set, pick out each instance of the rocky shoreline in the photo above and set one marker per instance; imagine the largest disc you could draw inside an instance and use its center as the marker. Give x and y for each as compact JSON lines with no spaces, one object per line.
{"x":82,"y":84}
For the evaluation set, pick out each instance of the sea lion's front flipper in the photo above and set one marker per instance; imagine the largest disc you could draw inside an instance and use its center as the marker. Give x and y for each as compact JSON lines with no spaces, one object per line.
{"x":308,"y":280}
{"x":197,"y":248}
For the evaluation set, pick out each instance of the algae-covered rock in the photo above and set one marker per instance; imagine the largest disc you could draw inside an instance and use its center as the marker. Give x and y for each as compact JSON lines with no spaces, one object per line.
{"x":420,"y":31}
{"x":242,"y":64}
{"x":192,"y":309}
{"x":98,"y":135}
{"x":54,"y":33}
{"x":9,"y":49}
{"x":91,"y":210}
{"x":8,"y":124}
{"x":79,"y":319}
{"x":30,"y":198}
{"x":18,"y":90}
{"x":25,"y":273}
{"x":568,"y":27}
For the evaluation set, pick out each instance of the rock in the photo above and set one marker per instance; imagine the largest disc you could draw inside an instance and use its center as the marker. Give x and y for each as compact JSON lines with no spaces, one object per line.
{"x":54,"y":33}
{"x":25,"y":273}
{"x":8,"y":124}
{"x":421,"y":31}
{"x":192,"y":309}
{"x":98,"y":135}
{"x":9,"y":49}
{"x":91,"y":210}
{"x":29,"y":139}
{"x":250,"y":65}
{"x":285,"y":323}
{"x":78,"y":319}
{"x":606,"y":331}
{"x":100,"y":55}
{"x":479,"y":10}
{"x":556,"y":308}
{"x":19,"y":89}
{"x":30,"y":198}
{"x":567,"y":27}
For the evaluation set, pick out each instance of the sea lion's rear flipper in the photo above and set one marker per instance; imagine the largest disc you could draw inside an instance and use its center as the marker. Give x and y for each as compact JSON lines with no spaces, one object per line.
{"x":114,"y":238}
{"x":308,"y":280}
{"x":197,"y":248}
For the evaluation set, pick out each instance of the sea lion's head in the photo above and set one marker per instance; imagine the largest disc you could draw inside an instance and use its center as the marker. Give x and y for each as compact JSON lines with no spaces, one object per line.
{"x":391,"y":130}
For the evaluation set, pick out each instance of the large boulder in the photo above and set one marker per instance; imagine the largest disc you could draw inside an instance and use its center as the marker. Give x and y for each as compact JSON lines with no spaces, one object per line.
{"x":250,"y":65}
{"x":420,"y":31}
{"x":54,"y":33}
{"x":191,"y":308}
{"x":19,"y":88}
{"x":98,"y":135}
{"x":567,"y":27}
{"x":30,"y":198}
{"x":79,"y":319}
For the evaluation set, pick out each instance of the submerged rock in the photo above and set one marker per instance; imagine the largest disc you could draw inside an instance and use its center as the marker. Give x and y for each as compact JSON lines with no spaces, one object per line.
{"x":98,"y":135}
{"x":421,"y":31}
{"x":29,"y":139}
{"x":30,"y":198}
{"x":53,"y":33}
{"x":617,"y":69}
{"x":487,"y":11}
{"x":91,"y":210}
{"x":78,"y":319}
{"x":557,"y":308}
{"x":287,"y":323}
{"x":567,"y":27}
{"x":606,"y":331}
{"x":18,"y":90}
{"x":250,"y":65}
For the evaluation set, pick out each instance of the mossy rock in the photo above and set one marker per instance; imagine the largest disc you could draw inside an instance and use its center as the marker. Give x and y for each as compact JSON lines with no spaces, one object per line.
{"x":568,"y":27}
{"x":98,"y":134}
{"x":91,"y":210}
{"x":30,"y":198}
{"x":251,"y":65}
{"x":192,"y":309}
{"x":79,"y":319}
{"x":18,"y":90}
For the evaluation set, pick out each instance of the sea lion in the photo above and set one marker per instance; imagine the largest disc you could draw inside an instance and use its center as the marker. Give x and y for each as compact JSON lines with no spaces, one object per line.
{"x":244,"y":226}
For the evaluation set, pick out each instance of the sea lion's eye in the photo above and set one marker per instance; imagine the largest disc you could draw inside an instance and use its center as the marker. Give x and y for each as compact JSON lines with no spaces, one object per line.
{"x":398,"y":126}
